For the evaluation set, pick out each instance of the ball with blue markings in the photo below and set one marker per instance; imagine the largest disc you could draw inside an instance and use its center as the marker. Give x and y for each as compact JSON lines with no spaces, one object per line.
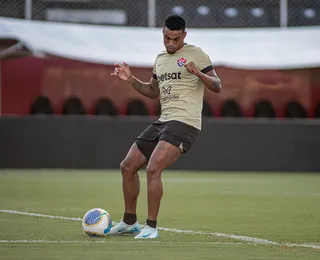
{"x":97,"y":222}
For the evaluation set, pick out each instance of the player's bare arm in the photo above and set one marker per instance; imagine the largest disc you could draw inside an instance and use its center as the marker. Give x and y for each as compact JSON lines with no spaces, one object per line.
{"x":210,"y":79}
{"x":148,"y":89}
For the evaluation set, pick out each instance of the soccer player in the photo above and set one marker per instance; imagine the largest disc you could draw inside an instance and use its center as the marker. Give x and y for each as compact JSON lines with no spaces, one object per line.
{"x":180,"y":74}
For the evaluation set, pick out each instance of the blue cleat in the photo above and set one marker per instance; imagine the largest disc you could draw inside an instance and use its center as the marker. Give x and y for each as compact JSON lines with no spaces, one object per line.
{"x":148,"y":233}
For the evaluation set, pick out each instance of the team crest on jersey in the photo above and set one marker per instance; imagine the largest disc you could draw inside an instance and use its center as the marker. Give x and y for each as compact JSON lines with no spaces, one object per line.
{"x":181,"y":62}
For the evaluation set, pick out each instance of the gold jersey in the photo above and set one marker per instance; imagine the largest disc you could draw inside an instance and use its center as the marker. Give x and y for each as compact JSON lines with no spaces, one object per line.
{"x":181,"y":92}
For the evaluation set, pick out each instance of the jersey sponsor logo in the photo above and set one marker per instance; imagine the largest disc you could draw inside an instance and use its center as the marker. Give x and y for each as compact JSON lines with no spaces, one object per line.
{"x":168,"y":76}
{"x":166,"y":94}
{"x":166,"y":90}
{"x":181,"y":62}
{"x":170,"y":97}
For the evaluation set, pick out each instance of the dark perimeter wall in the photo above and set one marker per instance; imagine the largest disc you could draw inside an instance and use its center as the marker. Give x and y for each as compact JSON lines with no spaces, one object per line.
{"x":100,"y":142}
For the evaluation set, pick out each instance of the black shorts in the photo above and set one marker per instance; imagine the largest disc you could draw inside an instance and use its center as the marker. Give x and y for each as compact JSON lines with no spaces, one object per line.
{"x":174,"y":132}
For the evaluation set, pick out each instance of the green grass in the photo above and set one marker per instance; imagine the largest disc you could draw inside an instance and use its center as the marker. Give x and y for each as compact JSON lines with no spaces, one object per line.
{"x":283,"y":208}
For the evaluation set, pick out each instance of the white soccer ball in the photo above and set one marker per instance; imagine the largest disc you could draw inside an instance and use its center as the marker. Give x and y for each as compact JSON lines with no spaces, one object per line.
{"x":97,"y":222}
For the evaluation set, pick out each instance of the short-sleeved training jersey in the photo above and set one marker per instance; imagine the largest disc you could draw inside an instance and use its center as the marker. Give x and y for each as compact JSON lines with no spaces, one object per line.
{"x":181,"y":92}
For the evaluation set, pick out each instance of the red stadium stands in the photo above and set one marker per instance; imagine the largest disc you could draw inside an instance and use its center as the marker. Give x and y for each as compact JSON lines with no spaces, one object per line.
{"x":62,"y":86}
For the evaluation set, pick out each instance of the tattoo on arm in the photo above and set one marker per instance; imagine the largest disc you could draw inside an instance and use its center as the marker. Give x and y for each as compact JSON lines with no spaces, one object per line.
{"x":146,"y":89}
{"x":216,"y":82}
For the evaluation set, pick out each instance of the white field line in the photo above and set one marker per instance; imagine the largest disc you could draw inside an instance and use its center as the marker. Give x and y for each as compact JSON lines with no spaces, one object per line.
{"x":114,"y":242}
{"x":269,"y":194}
{"x":143,"y":241}
{"x":36,"y":214}
{"x":253,"y":240}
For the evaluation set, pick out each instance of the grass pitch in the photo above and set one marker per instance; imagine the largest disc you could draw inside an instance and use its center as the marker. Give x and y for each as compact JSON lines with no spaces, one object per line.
{"x":227,"y":215}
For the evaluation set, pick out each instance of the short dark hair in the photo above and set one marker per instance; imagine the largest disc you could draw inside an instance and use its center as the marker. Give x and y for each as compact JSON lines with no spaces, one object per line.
{"x":175,"y":23}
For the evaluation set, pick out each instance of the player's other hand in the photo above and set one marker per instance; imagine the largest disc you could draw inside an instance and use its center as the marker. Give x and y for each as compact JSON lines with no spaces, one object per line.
{"x":192,"y":68}
{"x":122,"y":71}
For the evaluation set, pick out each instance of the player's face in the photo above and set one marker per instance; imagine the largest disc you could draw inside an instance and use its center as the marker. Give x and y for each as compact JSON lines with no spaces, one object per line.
{"x":173,"y":40}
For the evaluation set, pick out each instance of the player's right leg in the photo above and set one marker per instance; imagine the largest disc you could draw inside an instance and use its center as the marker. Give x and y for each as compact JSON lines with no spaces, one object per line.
{"x":131,"y":187}
{"x":130,"y":177}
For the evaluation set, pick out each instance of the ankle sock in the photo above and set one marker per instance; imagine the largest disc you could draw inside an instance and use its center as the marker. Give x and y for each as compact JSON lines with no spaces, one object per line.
{"x":129,"y":218}
{"x":151,"y":223}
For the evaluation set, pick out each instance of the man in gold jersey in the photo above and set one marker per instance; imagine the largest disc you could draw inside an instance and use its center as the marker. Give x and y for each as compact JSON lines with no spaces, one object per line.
{"x":180,"y":74}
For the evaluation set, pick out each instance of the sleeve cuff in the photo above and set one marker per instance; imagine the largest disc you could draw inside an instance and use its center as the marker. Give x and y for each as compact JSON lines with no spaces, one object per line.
{"x":207,"y":69}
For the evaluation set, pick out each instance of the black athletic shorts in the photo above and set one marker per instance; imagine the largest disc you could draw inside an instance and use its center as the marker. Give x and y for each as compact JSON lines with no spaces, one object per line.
{"x":174,"y":132}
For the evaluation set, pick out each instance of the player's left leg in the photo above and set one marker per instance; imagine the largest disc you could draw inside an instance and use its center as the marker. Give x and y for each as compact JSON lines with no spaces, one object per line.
{"x":162,"y":157}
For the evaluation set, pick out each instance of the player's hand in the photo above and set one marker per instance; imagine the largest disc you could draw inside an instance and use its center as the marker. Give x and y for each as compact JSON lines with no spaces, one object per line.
{"x":122,"y":71}
{"x":192,"y":68}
